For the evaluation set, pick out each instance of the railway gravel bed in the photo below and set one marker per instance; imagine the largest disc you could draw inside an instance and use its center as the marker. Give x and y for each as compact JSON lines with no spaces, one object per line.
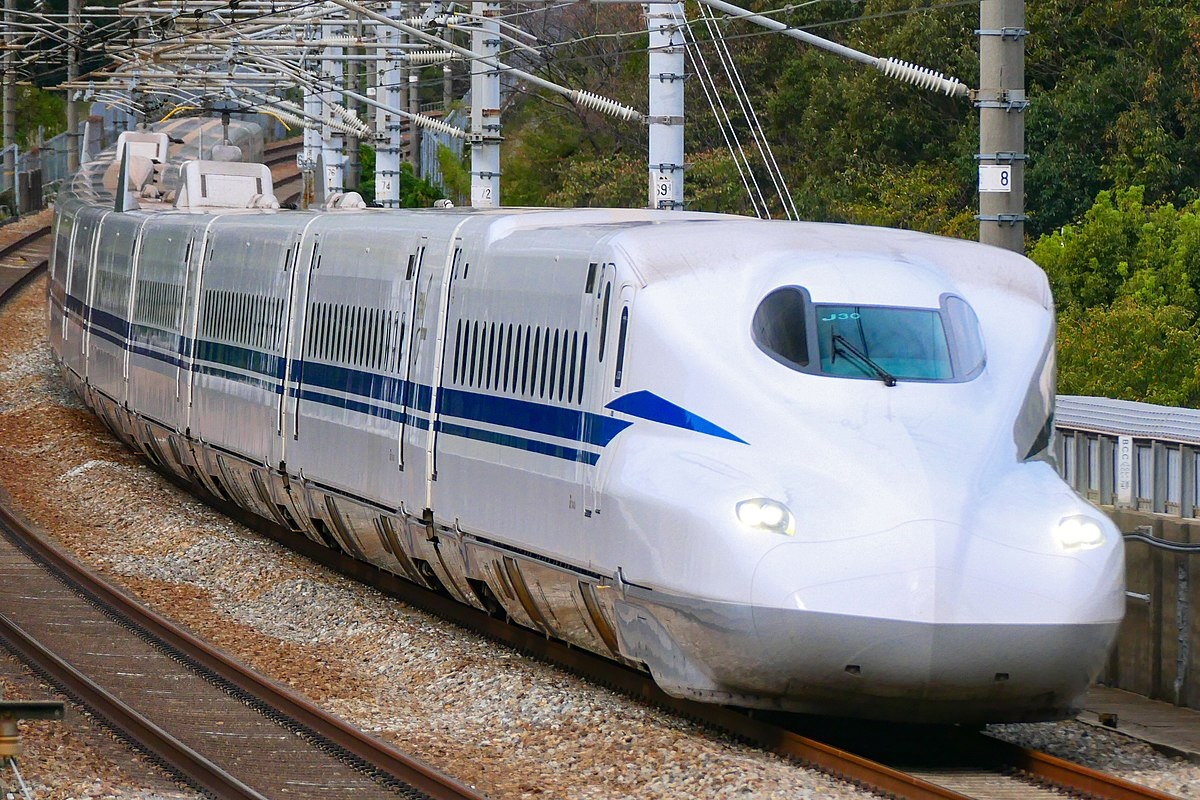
{"x":513,"y":727}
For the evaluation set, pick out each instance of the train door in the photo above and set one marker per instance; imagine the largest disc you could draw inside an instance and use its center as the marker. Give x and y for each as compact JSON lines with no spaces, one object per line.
{"x":426,"y":354}
{"x":198,"y":255}
{"x":135,"y":258}
{"x":613,"y":311}
{"x":77,"y":303}
{"x":301,"y":256}
{"x":414,"y":273}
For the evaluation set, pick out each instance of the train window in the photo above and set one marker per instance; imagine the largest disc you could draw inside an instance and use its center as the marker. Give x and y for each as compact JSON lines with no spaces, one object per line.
{"x":870,"y":342}
{"x":966,"y":342}
{"x":398,"y":347}
{"x":457,"y":351}
{"x":867,"y":341}
{"x":525,"y":361}
{"x":574,"y":355}
{"x":618,"y":374}
{"x":780,"y":326}
{"x":554,"y":364}
{"x":508,"y":348}
{"x":562,"y":369}
{"x":491,"y":355}
{"x":604,"y":321}
{"x":582,"y":365}
{"x":546,"y":362}
{"x":469,"y":355}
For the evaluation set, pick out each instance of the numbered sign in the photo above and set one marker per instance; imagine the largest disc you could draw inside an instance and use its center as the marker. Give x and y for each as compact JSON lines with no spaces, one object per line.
{"x":995,"y":178}
{"x":483,"y":197}
{"x":662,"y":189}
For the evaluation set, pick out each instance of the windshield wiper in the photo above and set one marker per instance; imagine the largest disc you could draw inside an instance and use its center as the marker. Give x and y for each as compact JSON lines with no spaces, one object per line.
{"x":842,"y":344}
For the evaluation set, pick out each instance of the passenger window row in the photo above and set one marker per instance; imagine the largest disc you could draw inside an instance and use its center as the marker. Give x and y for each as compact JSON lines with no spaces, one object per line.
{"x":358,"y":336}
{"x":158,"y":304}
{"x":527,"y":360}
{"x":253,"y":321}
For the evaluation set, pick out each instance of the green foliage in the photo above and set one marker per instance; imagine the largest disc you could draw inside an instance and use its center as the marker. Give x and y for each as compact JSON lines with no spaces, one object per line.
{"x":414,"y":192}
{"x":1127,"y":279}
{"x":41,"y":113}
{"x":455,"y":176}
{"x":1132,"y":350}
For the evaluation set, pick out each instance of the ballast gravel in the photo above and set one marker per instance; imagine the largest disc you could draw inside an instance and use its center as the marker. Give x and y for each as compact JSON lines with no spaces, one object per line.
{"x":513,"y":727}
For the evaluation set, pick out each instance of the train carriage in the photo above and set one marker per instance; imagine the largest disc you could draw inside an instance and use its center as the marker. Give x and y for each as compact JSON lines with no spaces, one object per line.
{"x":780,"y":465}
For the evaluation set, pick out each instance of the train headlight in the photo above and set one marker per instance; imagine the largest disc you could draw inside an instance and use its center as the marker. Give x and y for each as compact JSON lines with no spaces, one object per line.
{"x":1078,"y":532}
{"x":764,"y":514}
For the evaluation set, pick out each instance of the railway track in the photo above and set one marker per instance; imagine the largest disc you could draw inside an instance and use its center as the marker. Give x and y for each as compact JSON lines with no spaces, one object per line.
{"x":219,"y":726}
{"x":941,"y":764}
{"x":216,"y":725}
{"x":281,"y":158}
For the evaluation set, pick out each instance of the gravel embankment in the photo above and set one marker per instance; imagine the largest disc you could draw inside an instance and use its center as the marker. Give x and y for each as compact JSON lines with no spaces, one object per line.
{"x":511,"y":726}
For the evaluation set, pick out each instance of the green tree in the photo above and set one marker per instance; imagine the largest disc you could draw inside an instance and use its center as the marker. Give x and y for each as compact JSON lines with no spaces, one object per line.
{"x":1131,"y":351}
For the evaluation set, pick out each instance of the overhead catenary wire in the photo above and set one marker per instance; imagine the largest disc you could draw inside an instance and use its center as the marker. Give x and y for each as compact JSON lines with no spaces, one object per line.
{"x":742,"y":96}
{"x":724,"y":124}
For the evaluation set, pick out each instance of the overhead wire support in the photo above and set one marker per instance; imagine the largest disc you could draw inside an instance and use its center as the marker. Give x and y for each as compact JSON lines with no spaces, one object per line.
{"x":584,"y":98}
{"x":891,"y":67}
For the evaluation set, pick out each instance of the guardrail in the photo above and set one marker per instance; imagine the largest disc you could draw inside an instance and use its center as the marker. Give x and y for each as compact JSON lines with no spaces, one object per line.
{"x":1130,"y":455}
{"x":1141,"y":464}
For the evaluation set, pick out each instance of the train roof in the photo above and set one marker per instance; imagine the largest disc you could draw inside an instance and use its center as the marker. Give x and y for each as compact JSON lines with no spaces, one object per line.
{"x":662,"y":245}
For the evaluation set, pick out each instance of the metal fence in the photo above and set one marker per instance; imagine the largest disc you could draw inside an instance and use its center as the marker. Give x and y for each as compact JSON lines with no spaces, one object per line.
{"x":41,"y":170}
{"x":1141,"y":463}
{"x":1130,"y":455}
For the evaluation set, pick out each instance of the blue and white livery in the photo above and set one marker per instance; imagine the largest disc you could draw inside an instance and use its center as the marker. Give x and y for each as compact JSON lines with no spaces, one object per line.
{"x":779,"y":465}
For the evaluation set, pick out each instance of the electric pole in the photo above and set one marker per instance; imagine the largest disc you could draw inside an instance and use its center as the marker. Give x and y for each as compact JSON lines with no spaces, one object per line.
{"x":10,"y":102}
{"x":485,"y":105}
{"x":1001,"y":102}
{"x":665,"y":24}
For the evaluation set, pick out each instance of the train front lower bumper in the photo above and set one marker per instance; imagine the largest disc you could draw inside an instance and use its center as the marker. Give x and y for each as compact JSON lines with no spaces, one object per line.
{"x":822,"y":663}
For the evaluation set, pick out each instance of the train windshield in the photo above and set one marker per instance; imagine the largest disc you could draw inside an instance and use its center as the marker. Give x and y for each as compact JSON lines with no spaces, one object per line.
{"x":877,"y":341}
{"x":884,"y":343}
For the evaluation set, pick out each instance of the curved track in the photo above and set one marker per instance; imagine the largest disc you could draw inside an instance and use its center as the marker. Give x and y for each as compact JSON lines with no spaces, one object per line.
{"x":219,"y":726}
{"x":948,"y":765}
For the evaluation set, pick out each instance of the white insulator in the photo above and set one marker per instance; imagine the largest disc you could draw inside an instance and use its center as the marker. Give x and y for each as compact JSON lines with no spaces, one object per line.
{"x":354,"y":125}
{"x":437,"y":125}
{"x":921,"y":76}
{"x":428,"y":57}
{"x":610,"y":107}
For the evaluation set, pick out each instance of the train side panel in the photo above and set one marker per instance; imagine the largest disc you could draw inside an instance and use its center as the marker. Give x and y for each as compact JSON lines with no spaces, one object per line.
{"x":238,"y":351}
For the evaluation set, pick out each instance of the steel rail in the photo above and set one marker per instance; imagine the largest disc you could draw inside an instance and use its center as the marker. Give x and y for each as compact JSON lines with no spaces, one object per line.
{"x":368,"y":749}
{"x":198,"y":770}
{"x":24,"y":240}
{"x":1073,"y":777}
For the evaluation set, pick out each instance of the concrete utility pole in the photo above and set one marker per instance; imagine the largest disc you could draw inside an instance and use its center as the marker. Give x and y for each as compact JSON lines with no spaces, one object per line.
{"x":387,"y":124}
{"x":72,"y":77}
{"x":665,"y":25}
{"x":333,"y":141}
{"x":1001,"y":103}
{"x":10,"y":99}
{"x":485,"y":106}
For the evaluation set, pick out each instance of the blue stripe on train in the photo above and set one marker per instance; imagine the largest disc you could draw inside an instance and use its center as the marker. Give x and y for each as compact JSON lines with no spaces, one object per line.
{"x":384,"y":396}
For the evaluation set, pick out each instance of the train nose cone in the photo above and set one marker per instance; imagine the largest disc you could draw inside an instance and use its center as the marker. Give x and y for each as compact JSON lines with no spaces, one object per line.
{"x":925,"y":621}
{"x":937,"y":572}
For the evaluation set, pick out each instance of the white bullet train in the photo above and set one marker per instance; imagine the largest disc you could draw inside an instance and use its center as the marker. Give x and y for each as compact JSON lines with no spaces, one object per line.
{"x":780,"y":465}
